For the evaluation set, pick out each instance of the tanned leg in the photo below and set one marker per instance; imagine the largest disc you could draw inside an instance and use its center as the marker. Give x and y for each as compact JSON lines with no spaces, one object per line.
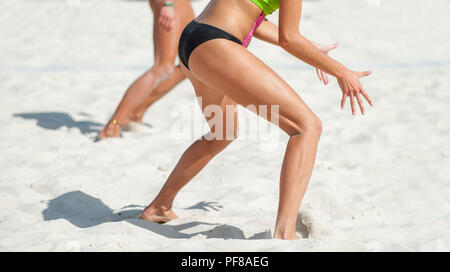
{"x":157,"y":93}
{"x":165,"y":44}
{"x":197,"y":156}
{"x":251,"y":82}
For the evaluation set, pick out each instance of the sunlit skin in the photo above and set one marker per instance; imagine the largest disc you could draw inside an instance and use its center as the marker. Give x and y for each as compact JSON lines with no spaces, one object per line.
{"x":169,"y":21}
{"x":252,"y":82}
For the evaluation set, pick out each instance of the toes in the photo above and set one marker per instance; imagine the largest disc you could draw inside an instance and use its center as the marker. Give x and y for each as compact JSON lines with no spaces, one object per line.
{"x":101,"y":135}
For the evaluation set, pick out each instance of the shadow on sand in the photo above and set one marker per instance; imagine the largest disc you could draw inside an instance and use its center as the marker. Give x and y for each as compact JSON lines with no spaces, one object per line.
{"x":84,"y":211}
{"x":56,"y":120}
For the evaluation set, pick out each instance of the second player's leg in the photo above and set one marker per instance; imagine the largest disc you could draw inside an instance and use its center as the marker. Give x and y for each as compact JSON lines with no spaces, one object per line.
{"x":157,"y":93}
{"x":184,"y":14}
{"x":165,"y":47}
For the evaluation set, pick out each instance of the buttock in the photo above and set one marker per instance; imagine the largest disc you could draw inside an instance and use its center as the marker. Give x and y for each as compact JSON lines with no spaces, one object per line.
{"x":194,"y":34}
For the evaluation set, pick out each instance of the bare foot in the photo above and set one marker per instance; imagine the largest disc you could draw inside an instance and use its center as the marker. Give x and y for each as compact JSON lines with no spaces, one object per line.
{"x":109,"y":131}
{"x":293,"y":236}
{"x":158,"y":215}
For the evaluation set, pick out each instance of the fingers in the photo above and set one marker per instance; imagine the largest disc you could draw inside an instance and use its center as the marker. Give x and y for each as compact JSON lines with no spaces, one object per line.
{"x":170,"y":23}
{"x":352,"y":103}
{"x":331,"y":47}
{"x":354,"y":94}
{"x":162,"y":22}
{"x":363,"y":92}
{"x":319,"y":75}
{"x":344,"y":98}
{"x":367,"y":97}
{"x":364,"y":74}
{"x":328,"y":48}
{"x":165,"y":22}
{"x":344,"y":94}
{"x":352,"y":88}
{"x":324,"y":77}
{"x":360,"y":103}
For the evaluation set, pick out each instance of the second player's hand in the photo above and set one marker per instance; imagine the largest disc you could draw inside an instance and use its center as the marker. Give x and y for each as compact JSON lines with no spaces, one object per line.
{"x":167,"y":18}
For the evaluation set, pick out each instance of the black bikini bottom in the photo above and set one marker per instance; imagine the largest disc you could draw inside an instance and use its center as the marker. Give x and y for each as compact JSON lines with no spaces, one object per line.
{"x":195,"y":34}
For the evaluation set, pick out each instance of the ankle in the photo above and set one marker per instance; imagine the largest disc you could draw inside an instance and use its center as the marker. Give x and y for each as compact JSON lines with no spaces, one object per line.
{"x":164,"y":71}
{"x":115,"y":122}
{"x":285,"y":232}
{"x":283,"y":235}
{"x":159,"y":208}
{"x":135,"y":117}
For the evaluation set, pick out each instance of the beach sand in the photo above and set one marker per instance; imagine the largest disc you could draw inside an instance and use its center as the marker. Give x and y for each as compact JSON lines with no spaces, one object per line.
{"x":381,"y":182}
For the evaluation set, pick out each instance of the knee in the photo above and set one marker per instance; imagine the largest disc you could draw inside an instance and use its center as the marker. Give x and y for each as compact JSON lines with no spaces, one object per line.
{"x":316,"y":126}
{"x":164,"y":69}
{"x":311,"y":127}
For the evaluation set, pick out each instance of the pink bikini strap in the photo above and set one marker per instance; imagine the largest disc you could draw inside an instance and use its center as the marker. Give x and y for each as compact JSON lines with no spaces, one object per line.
{"x":249,"y":36}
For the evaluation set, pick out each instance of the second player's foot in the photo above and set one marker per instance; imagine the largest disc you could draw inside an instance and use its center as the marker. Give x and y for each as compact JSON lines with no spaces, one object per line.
{"x":109,"y":131}
{"x":136,"y":118}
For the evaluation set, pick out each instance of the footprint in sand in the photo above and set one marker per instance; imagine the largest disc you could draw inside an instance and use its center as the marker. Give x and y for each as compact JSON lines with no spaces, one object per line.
{"x":312,"y":224}
{"x":140,"y":128}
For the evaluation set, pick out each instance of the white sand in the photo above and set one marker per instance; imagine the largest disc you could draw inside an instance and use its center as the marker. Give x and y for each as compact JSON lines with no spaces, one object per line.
{"x":381,"y":182}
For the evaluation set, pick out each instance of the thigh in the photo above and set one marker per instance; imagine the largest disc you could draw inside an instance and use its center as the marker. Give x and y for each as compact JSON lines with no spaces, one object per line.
{"x":229,"y":68}
{"x":219,"y":110}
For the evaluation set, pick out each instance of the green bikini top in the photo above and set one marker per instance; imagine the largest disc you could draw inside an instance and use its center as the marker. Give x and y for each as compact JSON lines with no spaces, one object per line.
{"x":267,"y":6}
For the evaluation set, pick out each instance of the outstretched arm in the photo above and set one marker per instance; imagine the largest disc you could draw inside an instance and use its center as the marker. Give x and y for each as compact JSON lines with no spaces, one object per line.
{"x":268,"y":32}
{"x":292,"y":41}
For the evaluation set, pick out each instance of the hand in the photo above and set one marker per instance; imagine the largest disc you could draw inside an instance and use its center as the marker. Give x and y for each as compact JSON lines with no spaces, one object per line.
{"x":167,"y":18}
{"x":324,"y":49}
{"x":351,"y":87}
